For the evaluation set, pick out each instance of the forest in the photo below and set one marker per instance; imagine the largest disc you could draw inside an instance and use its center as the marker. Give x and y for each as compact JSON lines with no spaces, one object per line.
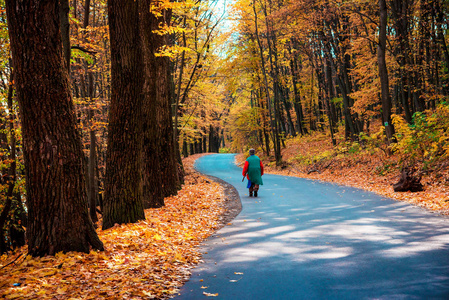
{"x":101,"y":102}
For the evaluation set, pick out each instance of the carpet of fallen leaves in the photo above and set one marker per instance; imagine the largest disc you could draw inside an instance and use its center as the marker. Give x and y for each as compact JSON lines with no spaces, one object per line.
{"x":360,"y":171}
{"x":146,"y":260}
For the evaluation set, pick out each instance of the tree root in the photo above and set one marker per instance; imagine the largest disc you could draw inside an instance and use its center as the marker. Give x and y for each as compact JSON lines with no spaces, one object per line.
{"x":408,"y":181}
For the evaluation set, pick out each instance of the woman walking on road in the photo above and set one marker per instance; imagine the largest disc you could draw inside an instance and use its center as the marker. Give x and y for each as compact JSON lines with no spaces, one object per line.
{"x":253,"y":170}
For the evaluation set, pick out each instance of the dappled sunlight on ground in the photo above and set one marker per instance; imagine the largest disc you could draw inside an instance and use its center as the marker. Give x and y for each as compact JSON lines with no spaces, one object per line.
{"x":303,"y":239}
{"x":294,"y":240}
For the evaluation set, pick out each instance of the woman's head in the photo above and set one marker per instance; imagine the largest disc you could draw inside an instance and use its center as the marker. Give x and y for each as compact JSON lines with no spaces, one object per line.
{"x":252,"y":151}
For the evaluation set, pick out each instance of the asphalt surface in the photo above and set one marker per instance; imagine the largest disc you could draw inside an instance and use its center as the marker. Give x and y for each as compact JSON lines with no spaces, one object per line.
{"x":305,"y":239}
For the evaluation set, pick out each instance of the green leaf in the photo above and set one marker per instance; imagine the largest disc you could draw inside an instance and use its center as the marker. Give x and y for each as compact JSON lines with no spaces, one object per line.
{"x":76,"y":53}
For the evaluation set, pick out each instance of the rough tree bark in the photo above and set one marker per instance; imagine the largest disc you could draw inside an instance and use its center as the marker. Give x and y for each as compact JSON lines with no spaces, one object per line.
{"x":151,"y":166}
{"x":56,"y":195}
{"x":123,"y":201}
{"x":176,"y":112}
{"x":167,"y":157}
{"x":64,"y":10}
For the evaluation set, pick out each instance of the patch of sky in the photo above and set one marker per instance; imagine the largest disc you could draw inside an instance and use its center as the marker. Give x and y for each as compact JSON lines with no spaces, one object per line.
{"x":225,"y":25}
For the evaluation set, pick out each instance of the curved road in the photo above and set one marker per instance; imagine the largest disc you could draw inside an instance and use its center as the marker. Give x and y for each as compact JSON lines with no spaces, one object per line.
{"x":304,"y":239}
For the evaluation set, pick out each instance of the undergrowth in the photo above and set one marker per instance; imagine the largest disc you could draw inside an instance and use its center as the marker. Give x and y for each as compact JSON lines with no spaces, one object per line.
{"x":422,"y":145}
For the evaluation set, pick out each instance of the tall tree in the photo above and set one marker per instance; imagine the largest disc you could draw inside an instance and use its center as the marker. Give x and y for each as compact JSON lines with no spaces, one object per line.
{"x":383,"y":72}
{"x":151,"y":165}
{"x":55,"y":183}
{"x":274,"y":124}
{"x":92,"y":183}
{"x":161,"y":75}
{"x":400,"y":13}
{"x":64,"y":9}
{"x":123,"y":201}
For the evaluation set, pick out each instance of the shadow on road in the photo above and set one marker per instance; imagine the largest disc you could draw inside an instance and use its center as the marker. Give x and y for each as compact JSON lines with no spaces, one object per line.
{"x":303,"y":239}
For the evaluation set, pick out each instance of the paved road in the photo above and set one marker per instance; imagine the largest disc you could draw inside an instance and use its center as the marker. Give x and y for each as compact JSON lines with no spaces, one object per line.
{"x":303,"y":239}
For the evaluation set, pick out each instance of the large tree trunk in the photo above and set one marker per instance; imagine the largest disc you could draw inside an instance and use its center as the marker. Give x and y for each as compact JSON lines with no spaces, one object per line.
{"x":168,"y":158}
{"x":176,"y":113}
{"x":64,"y":9}
{"x":151,"y":178}
{"x":383,"y":72}
{"x":92,"y":183}
{"x":123,"y":201}
{"x":55,"y":184}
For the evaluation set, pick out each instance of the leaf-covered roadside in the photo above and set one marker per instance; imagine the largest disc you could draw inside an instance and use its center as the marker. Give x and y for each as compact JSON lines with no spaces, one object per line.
{"x":147,"y":260}
{"x":370,"y":169}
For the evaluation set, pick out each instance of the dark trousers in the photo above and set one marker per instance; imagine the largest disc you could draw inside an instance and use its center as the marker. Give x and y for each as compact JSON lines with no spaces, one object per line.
{"x":254,"y":188}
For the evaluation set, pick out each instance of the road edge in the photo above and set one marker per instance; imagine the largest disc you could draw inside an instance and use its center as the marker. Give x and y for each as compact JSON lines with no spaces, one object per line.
{"x":232,"y":203}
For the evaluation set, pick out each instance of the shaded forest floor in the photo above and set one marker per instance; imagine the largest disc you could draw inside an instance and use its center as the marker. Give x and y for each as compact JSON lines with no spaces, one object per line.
{"x":150,"y":259}
{"x":314,"y":157}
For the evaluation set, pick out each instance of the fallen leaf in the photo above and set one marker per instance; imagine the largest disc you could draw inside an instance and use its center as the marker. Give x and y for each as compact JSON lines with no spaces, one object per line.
{"x":61,"y":291}
{"x":147,"y":259}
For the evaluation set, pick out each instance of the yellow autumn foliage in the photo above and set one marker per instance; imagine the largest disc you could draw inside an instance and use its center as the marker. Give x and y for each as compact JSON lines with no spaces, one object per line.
{"x":426,"y":139}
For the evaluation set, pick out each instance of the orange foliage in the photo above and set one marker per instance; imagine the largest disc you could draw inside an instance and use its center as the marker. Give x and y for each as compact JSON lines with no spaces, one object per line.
{"x":145,"y":260}
{"x":369,"y":171}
